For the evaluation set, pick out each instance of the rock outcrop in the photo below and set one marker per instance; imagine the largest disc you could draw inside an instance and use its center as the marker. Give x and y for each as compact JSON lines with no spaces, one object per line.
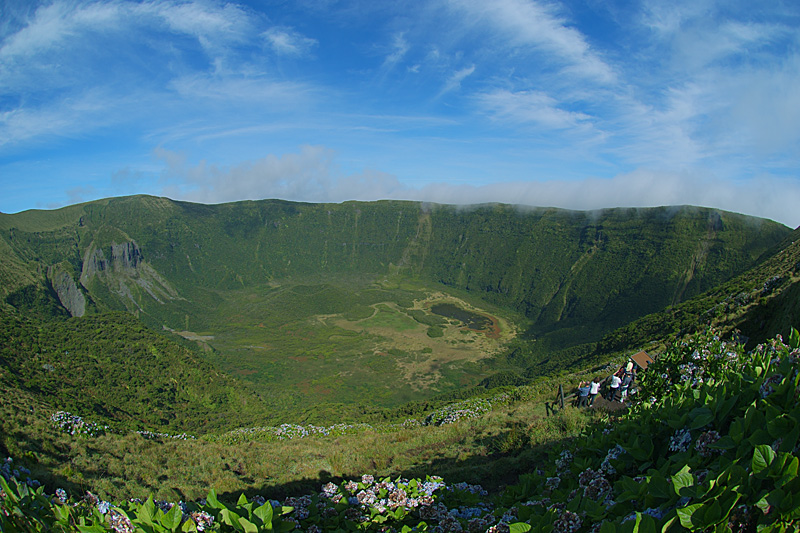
{"x":126,"y":274}
{"x":68,"y":292}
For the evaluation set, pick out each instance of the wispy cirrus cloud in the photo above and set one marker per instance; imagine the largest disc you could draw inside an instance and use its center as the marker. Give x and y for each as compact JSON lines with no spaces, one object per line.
{"x":534,"y":107}
{"x":287,"y":41}
{"x":397,"y":51}
{"x":454,"y":81}
{"x":538,"y":26}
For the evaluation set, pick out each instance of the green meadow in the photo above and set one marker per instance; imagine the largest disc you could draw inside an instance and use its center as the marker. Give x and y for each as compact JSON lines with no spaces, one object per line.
{"x":310,"y":342}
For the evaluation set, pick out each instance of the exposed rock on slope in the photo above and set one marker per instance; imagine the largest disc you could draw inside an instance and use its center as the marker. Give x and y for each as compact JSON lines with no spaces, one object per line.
{"x":68,"y":292}
{"x":125,"y":274}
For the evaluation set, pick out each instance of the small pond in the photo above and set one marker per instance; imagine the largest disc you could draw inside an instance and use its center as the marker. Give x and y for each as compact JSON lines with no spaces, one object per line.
{"x":471,"y":320}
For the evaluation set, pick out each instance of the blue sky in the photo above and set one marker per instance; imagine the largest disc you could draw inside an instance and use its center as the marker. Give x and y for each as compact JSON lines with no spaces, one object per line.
{"x":580,"y":105}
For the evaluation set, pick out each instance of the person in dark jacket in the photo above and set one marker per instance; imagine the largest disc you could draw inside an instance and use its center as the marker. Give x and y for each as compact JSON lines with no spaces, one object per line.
{"x":627,"y":380}
{"x":583,"y":394}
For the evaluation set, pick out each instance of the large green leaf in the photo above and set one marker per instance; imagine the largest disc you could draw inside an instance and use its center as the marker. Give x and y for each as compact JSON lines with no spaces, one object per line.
{"x":683,"y":481}
{"x":172,"y":520}
{"x":690,"y":516}
{"x":247,"y":526}
{"x":265,"y":514}
{"x":213,"y":502}
{"x":763,"y":456}
{"x":699,"y":417}
{"x":146,"y":512}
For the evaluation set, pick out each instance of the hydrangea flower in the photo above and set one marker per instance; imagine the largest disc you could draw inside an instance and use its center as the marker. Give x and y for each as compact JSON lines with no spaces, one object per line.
{"x":704,"y":440}
{"x":121,"y":524}
{"x":681,"y":441}
{"x":567,"y":522}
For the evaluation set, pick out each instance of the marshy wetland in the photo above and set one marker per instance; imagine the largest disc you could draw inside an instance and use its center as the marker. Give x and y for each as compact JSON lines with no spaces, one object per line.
{"x":305,"y":342}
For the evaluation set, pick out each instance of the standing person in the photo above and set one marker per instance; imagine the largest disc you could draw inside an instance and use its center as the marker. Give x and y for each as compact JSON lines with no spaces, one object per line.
{"x":616,"y":381}
{"x":594,"y":389}
{"x":626,"y":383}
{"x":583,"y":394}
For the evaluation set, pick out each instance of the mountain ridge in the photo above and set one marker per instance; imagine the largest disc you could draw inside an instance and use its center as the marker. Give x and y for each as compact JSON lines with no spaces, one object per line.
{"x":249,"y":275}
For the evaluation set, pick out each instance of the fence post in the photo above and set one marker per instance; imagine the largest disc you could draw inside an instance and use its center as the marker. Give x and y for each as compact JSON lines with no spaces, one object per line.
{"x":561,"y":395}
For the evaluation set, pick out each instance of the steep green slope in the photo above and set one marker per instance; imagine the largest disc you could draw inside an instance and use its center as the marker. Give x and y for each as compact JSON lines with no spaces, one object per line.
{"x":112,"y":368}
{"x":165,"y":260}
{"x":760,"y":303}
{"x":586,"y":272}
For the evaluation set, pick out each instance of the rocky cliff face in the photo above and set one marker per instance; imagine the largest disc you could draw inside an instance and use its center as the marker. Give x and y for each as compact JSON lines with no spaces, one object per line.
{"x":126,"y":274}
{"x":125,"y":257}
{"x":69,"y":294}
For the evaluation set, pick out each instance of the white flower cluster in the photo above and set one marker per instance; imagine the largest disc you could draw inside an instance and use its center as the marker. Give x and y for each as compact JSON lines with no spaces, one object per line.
{"x":75,"y":425}
{"x":564,"y":461}
{"x":152,"y":435}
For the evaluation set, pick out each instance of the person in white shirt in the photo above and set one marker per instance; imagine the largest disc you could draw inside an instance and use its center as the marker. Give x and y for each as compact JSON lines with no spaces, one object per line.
{"x":594,"y":388}
{"x":616,"y":381}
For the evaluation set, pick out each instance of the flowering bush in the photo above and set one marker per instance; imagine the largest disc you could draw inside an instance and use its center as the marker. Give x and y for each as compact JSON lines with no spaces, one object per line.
{"x":75,"y":425}
{"x":716,"y":449}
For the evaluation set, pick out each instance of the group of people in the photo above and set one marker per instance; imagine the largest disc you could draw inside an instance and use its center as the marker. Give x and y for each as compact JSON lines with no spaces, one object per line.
{"x":620,"y":383}
{"x":587,"y":392}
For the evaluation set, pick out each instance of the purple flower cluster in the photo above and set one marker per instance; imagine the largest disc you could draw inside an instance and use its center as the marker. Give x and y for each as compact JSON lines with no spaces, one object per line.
{"x":595,"y":486}
{"x":9,"y":472}
{"x":612,"y":455}
{"x":704,"y":440}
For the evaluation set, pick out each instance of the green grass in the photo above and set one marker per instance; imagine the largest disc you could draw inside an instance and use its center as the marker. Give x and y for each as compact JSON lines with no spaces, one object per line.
{"x":491,"y":450}
{"x":346,"y":339}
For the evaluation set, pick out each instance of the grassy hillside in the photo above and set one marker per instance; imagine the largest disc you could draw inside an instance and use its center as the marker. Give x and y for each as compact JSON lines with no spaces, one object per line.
{"x":559,"y":268}
{"x":114,"y":370}
{"x":760,"y":303}
{"x":709,"y":444}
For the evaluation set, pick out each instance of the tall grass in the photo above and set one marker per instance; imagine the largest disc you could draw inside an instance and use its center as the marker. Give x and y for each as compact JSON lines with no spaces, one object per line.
{"x":491,"y":450}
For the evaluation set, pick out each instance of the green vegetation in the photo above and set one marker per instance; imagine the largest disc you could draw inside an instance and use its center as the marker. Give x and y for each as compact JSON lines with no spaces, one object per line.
{"x":115,"y":369}
{"x":270,"y":349}
{"x":710,"y":444}
{"x":297,"y":301}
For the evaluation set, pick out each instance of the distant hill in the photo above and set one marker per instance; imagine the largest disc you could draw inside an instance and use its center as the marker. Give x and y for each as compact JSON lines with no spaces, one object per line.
{"x":161,"y":258}
{"x":212,"y":271}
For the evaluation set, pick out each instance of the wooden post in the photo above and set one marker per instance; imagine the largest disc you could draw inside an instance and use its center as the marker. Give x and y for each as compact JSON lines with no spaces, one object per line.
{"x":561,"y":395}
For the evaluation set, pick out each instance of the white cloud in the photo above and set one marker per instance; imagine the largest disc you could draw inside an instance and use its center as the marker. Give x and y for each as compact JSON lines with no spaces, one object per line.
{"x":454,"y":81}
{"x":286,"y":41}
{"x":765,"y":196}
{"x":307,"y":175}
{"x":398,"y":51}
{"x":67,"y":117}
{"x":538,"y":25}
{"x":313,"y":175}
{"x":238,"y":90}
{"x":530,"y":107}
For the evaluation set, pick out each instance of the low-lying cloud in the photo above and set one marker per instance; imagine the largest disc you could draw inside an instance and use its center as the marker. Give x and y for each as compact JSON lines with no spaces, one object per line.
{"x":313,"y":175}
